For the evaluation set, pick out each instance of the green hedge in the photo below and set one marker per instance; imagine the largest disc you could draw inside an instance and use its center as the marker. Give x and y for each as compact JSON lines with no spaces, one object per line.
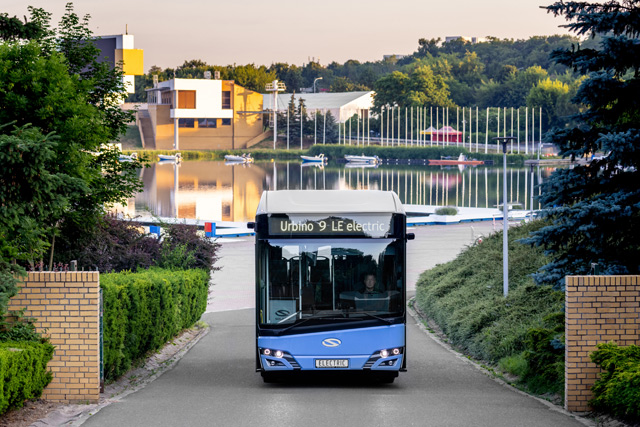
{"x":465,"y":296}
{"x":143,"y":310}
{"x":618,"y":389}
{"x":23,"y":372}
{"x":525,"y":330}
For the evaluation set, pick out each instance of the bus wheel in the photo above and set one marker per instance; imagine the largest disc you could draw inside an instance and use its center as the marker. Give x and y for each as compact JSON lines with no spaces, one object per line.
{"x":386,"y":377}
{"x":269,"y":377}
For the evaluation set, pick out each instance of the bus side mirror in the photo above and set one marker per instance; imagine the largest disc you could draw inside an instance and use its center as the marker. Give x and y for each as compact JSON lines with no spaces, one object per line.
{"x":411,"y":236}
{"x":251,"y":225}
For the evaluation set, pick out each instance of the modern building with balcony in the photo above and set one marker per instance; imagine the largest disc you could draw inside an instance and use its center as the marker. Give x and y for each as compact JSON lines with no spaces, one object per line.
{"x":201,"y":114}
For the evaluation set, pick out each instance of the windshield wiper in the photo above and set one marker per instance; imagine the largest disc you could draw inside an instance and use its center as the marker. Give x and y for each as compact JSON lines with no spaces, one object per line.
{"x":347,"y":312}
{"x":313,"y":317}
{"x":373,"y":316}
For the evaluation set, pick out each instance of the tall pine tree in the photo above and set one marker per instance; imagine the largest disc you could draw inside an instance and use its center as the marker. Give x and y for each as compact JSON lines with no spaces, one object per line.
{"x":593,"y":210}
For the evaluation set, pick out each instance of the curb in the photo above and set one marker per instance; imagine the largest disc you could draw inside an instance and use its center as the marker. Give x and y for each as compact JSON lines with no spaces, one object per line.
{"x":420,"y":323}
{"x":76,"y":415}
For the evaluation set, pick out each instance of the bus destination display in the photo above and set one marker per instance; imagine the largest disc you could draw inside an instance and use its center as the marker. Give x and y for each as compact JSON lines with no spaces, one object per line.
{"x":370,"y":226}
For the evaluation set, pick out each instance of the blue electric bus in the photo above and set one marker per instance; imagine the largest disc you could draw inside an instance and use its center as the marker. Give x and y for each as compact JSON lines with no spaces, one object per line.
{"x":330,"y":283}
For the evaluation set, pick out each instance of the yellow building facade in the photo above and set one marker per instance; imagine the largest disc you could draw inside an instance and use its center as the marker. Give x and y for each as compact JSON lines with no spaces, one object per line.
{"x":118,"y":51}
{"x":203,"y":114}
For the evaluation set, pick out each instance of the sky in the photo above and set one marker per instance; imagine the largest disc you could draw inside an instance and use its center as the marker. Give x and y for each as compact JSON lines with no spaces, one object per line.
{"x":297,"y":31}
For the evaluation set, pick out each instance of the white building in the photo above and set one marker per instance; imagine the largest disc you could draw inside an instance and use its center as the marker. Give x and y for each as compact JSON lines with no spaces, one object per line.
{"x":341,"y":105}
{"x":468,"y":39}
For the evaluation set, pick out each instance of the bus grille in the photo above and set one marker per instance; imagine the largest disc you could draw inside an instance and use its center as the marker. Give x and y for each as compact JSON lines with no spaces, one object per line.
{"x":373,"y":359}
{"x":289,"y":358}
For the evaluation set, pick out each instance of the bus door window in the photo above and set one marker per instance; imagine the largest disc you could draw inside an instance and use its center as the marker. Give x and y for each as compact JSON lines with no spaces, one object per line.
{"x":283,"y":301}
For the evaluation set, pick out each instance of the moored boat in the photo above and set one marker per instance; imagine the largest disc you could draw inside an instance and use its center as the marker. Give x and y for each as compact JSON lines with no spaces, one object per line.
{"x":128,"y":158}
{"x":245,"y":158}
{"x":166,"y":157}
{"x":371,"y":160}
{"x":320,"y":158}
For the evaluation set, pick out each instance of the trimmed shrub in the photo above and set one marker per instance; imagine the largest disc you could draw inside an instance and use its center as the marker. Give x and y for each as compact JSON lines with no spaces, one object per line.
{"x":16,"y":327}
{"x":447,"y":210}
{"x":465,"y":298}
{"x":144,"y":310}
{"x":618,"y":389}
{"x":23,"y":372}
{"x":545,"y":355}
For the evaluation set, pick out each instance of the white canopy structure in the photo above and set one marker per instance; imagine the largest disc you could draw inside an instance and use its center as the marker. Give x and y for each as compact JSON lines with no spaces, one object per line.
{"x":341,"y":105}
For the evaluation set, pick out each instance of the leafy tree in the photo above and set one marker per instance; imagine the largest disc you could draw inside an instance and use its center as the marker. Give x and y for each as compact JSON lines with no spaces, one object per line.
{"x":12,"y":29}
{"x":252,"y":77}
{"x":311,"y":71}
{"x":513,"y":90}
{"x":469,"y":69}
{"x":428,"y":47}
{"x":554,"y":97}
{"x":34,"y":196}
{"x":593,"y":209}
{"x":343,"y":84}
{"x":291,"y":75}
{"x":55,"y":83}
{"x":391,"y":89}
{"x":427,"y":88}
{"x":421,"y":87}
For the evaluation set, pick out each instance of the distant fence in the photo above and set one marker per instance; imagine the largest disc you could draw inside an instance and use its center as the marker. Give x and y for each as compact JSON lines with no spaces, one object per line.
{"x":599,"y":309}
{"x":66,"y":307}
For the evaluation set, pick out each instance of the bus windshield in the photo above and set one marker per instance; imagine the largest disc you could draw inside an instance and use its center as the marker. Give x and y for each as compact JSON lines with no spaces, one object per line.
{"x":329,"y":280}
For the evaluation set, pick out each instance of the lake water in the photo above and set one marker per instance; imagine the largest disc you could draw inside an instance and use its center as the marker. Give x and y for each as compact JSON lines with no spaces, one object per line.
{"x":214,"y":191}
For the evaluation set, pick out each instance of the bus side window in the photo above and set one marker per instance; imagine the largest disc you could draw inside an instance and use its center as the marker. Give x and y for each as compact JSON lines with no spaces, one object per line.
{"x":320,"y":285}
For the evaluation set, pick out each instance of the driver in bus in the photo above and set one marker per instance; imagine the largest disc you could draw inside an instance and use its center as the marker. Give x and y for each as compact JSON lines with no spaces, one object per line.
{"x":369,"y":285}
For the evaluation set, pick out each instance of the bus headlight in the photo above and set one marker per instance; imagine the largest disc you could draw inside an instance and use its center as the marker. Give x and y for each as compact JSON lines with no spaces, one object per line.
{"x":273,"y":353}
{"x":390,"y":352}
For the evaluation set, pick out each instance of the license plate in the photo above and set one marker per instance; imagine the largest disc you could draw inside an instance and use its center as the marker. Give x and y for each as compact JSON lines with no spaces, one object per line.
{"x":332,"y":363}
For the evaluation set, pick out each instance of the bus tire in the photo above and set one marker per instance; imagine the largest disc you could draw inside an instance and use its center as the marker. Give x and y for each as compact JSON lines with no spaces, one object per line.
{"x":386,"y":377}
{"x":269,"y":377}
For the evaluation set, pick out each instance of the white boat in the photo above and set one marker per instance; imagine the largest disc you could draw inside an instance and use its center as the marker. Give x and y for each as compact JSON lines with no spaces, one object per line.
{"x":371,"y":160}
{"x":175,"y":158}
{"x":320,"y":158}
{"x":128,"y":158}
{"x":245,"y":158}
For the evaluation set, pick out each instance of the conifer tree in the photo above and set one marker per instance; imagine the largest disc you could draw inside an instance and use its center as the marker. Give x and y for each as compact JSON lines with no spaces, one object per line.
{"x":593,"y":209}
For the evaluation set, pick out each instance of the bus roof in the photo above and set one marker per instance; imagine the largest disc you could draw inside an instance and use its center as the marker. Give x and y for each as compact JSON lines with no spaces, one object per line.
{"x":329,"y":201}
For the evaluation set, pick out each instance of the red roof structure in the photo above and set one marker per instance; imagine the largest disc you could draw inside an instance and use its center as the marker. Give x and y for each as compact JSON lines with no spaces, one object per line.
{"x":448,"y":134}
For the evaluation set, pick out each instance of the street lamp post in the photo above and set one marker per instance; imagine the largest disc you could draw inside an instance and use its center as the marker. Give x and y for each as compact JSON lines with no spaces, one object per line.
{"x":275,"y":87}
{"x":504,"y":140}
{"x":314,"y":83}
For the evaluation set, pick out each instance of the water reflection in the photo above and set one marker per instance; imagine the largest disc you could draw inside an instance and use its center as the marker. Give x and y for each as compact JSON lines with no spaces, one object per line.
{"x":211,"y":190}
